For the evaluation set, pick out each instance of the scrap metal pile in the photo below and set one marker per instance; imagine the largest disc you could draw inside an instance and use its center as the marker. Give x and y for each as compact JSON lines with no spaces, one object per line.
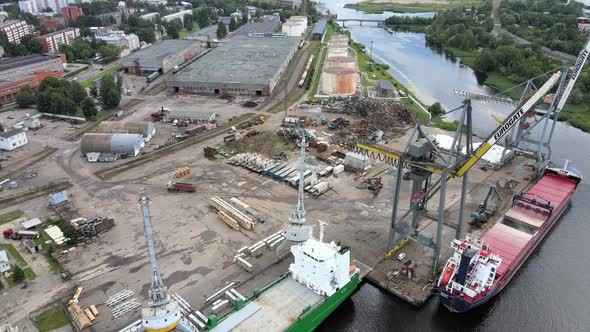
{"x":377,"y":114}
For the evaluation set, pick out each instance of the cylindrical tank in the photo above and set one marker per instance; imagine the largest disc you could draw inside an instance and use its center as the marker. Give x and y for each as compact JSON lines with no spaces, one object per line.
{"x":340,"y":52}
{"x":340,"y":62}
{"x":337,"y":43}
{"x":294,"y":29}
{"x":339,"y":81}
{"x":340,"y":37}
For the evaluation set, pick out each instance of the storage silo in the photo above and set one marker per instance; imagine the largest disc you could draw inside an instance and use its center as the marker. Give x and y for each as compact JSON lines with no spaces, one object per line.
{"x":341,"y":62}
{"x":339,"y":81}
{"x":340,"y":51}
{"x":293,"y":29}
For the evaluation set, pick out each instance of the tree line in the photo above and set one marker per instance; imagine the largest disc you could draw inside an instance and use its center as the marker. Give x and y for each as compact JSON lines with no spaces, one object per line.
{"x":60,"y":96}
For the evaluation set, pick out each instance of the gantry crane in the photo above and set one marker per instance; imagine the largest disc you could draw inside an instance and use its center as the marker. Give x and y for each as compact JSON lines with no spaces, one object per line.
{"x":423,"y":159}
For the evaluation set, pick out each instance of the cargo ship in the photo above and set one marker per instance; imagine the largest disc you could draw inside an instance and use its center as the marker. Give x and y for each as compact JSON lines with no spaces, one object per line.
{"x":480,"y":268}
{"x":318,"y":281}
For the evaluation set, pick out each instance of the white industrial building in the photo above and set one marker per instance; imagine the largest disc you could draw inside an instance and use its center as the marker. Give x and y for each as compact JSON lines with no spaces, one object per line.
{"x":113,"y":144}
{"x":295,"y":26}
{"x":357,"y":161}
{"x":145,"y":129}
{"x":12,"y":139}
{"x":120,"y":39}
{"x":179,"y":15}
{"x":4,"y":263}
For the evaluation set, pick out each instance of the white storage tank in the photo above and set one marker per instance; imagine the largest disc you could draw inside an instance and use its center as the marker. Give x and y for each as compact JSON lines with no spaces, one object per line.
{"x":294,"y":29}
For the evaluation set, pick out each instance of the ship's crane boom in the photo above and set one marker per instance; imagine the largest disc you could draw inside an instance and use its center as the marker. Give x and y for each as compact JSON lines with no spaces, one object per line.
{"x":504,"y":127}
{"x":575,"y":74}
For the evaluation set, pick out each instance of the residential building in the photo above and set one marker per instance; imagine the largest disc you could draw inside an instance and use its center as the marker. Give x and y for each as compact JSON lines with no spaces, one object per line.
{"x":52,"y":41}
{"x":55,"y":5}
{"x":51,"y":23}
{"x":118,"y":38}
{"x":72,"y":13}
{"x":28,"y":6}
{"x":149,"y":17}
{"x":179,"y":15}
{"x":12,"y":139}
{"x":4,"y":263}
{"x":15,"y":30}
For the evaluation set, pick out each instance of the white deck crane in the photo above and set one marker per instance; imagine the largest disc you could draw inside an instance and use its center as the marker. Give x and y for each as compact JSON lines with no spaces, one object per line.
{"x":296,"y":231}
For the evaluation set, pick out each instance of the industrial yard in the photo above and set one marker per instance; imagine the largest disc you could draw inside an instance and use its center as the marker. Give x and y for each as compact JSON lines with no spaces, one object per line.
{"x":203,"y":163}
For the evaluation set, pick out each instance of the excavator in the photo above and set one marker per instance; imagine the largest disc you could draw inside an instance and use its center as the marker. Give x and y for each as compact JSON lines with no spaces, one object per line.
{"x":375,"y":184}
{"x":487,"y":208}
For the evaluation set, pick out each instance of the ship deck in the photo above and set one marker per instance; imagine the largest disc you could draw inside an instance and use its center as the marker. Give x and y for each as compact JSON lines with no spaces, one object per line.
{"x":510,"y":240}
{"x":274,"y":310}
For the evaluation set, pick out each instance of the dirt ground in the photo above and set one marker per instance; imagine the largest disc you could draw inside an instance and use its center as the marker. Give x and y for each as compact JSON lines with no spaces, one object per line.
{"x":195,"y":249}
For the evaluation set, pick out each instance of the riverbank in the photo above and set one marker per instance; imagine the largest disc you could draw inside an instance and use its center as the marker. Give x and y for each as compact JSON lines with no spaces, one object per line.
{"x":576,"y":115}
{"x":416,"y":7}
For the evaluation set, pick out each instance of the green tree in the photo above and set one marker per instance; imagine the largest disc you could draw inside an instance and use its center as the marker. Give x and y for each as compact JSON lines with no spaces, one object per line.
{"x":221,"y":30}
{"x":188,"y":22}
{"x":109,"y":53}
{"x":32,"y":44}
{"x":18,"y":274}
{"x":89,"y":108}
{"x":78,"y":92}
{"x":173,"y":32}
{"x":203,"y":17}
{"x":25,"y":97}
{"x":244,"y":18}
{"x":233,"y":24}
{"x":437,"y":109}
{"x":110,"y":94}
{"x":577,"y":97}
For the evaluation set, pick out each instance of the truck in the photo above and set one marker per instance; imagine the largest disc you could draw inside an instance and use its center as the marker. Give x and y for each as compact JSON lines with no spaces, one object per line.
{"x":20,"y":235}
{"x":181,"y":187}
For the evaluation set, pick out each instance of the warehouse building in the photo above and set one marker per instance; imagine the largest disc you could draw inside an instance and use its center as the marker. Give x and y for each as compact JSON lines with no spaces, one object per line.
{"x":243,"y":65}
{"x":28,"y":71}
{"x":190,"y":116}
{"x":258,"y":27}
{"x":319,"y":30}
{"x":145,"y":129}
{"x":161,"y":57}
{"x":112,"y":144}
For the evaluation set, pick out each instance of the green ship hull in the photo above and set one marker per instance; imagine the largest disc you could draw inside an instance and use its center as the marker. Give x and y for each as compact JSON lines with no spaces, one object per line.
{"x":311,"y":319}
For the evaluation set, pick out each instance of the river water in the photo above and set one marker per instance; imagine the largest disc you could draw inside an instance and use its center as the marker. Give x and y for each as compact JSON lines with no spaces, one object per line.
{"x":551,"y":291}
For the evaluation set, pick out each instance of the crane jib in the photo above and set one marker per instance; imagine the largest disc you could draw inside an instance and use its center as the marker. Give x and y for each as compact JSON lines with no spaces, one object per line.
{"x":508,"y":125}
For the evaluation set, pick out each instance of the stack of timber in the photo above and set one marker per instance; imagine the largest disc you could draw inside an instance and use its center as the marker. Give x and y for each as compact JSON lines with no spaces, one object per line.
{"x":257,"y":249}
{"x":79,"y":316}
{"x":182,"y":172}
{"x":233,"y":217}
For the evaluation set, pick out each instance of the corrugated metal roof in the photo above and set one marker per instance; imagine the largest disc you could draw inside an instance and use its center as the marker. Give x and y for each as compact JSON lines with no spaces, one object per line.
{"x":10,"y":133}
{"x":320,"y":27}
{"x":31,"y":223}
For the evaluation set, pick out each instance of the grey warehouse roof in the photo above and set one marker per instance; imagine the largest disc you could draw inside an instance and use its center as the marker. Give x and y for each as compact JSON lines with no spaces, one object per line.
{"x":258,"y":27}
{"x":242,"y":59}
{"x":10,"y":133}
{"x":320,"y":27}
{"x":153,"y":55}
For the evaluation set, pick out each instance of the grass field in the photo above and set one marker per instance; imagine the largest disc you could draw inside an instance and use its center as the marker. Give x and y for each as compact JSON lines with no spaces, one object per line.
{"x":89,"y":83}
{"x":51,"y":320}
{"x":184,"y":32}
{"x":10,"y":216}
{"x":379,"y":8}
{"x":29,"y":273}
{"x":14,"y":254}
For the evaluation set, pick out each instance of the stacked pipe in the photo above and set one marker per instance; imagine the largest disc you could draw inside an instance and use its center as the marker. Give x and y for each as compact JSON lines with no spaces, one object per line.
{"x":230,"y":215}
